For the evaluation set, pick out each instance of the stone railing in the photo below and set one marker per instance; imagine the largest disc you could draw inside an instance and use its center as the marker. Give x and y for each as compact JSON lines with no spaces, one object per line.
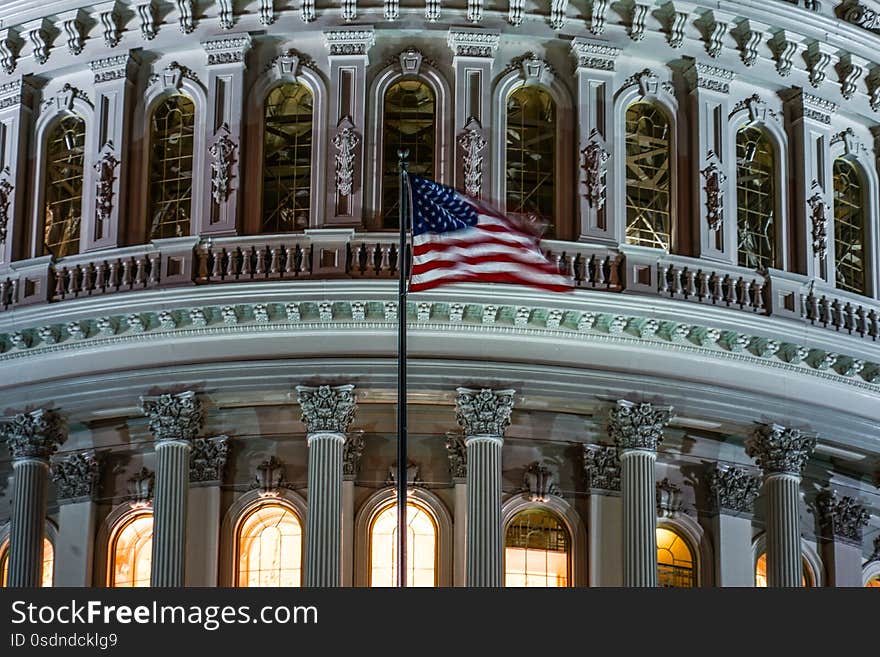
{"x":346,"y":254}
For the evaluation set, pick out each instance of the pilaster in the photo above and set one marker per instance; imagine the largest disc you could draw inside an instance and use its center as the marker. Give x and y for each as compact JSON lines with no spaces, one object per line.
{"x":456,"y":451}
{"x":206,"y":464}
{"x":16,"y":115}
{"x":732,"y":494}
{"x":77,"y":479}
{"x":841,"y":521}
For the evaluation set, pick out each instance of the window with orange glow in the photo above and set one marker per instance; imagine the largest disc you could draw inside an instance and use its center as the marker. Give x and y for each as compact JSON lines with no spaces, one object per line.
{"x":421,"y":547}
{"x":761,"y":573}
{"x":48,"y":563}
{"x":675,"y":561}
{"x":270,"y":546}
{"x":536,"y":550}
{"x":873,"y":583}
{"x":131,"y":553}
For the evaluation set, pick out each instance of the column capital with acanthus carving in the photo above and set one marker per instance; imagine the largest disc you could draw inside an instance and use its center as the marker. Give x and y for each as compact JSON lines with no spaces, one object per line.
{"x":780,"y":450}
{"x":35,"y":434}
{"x":483,"y":412}
{"x":732,"y":489}
{"x":327,"y":408}
{"x":638,"y":425}
{"x":842,"y":517}
{"x":174,"y":416}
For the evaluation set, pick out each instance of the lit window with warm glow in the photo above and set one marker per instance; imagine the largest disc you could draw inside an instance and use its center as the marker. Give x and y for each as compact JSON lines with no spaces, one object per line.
{"x":873,"y":583}
{"x":675,"y":561}
{"x":536,"y":550}
{"x":131,"y":554}
{"x":421,"y":547}
{"x":761,"y":573}
{"x":270,"y":546}
{"x":48,"y":563}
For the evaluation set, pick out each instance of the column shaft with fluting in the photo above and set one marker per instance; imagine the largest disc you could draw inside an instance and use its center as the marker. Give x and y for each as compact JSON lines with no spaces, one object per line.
{"x":484,"y":415}
{"x":637,"y":429}
{"x":32,"y":438}
{"x":327,"y":413}
{"x":782,"y":453}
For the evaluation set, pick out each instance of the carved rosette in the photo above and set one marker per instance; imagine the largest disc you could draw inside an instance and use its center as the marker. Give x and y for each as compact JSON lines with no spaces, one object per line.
{"x":351,"y":454}
{"x":472,"y":142}
{"x":456,"y":451}
{"x":841,"y":517}
{"x":595,"y":165}
{"x":270,"y":478}
{"x":539,"y":482}
{"x":327,"y":408}
{"x":5,"y":201}
{"x":732,"y":489}
{"x":207,"y":459}
{"x":713,"y":185}
{"x":35,"y":435}
{"x":76,"y":476}
{"x":780,"y":450}
{"x":638,"y":426}
{"x":602,"y":467}
{"x":222,"y":152}
{"x":140,"y":488}
{"x":483,"y":412}
{"x":174,"y":416}
{"x":669,"y":500}
{"x":345,"y":142}
{"x":106,"y":170}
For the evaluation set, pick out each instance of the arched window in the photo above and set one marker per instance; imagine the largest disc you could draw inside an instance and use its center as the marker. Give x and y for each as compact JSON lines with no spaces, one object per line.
{"x":48,"y":563}
{"x":63,"y":191}
{"x":270,"y":547}
{"x":755,"y":199}
{"x":287,"y":158}
{"x":421,"y":547}
{"x":648,"y":181}
{"x":409,"y":122}
{"x":675,"y":560}
{"x":131,"y":552}
{"x":537,"y":550}
{"x":531,"y":154}
{"x":172,"y":134}
{"x":874,"y":582}
{"x":849,"y":227}
{"x":807,"y":579}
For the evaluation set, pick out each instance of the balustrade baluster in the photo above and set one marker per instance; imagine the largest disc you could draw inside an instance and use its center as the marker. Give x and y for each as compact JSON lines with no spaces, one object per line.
{"x":126,"y":273}
{"x":260,"y":269}
{"x":662,"y":278}
{"x":140,"y":276}
{"x":154,"y":269}
{"x":246,"y":262}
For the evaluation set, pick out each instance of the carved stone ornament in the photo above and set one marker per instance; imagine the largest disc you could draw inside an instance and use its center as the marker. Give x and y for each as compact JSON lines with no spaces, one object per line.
{"x":105,"y":167}
{"x":595,"y":165}
{"x":732,"y":489}
{"x":207,"y":458}
{"x":222,"y":152}
{"x":539,"y":482}
{"x":351,"y":454}
{"x":858,"y":14}
{"x":345,"y":142}
{"x":410,"y":61}
{"x":638,"y":425}
{"x":6,"y":190}
{"x":140,"y":488}
{"x":669,"y":500}
{"x":841,"y":517}
{"x":472,"y":142}
{"x":714,"y":179}
{"x":174,"y":416}
{"x":818,"y":222}
{"x":648,"y":82}
{"x":76,"y":476}
{"x":875,"y":555}
{"x":780,"y":450}
{"x":602,"y":467}
{"x":287,"y":64}
{"x":35,"y":434}
{"x":172,"y":76}
{"x":327,"y":408}
{"x":413,"y":475}
{"x":483,"y":412}
{"x":456,"y":451}
{"x":270,"y":477}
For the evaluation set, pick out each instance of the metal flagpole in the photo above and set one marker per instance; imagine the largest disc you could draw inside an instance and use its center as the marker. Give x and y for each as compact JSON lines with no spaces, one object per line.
{"x":403,"y":155}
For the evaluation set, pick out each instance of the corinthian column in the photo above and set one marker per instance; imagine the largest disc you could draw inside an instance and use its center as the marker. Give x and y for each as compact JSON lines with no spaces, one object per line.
{"x":781,"y":453}
{"x":32,"y":438}
{"x":637,"y":429}
{"x":327,"y":413}
{"x":484,"y":415}
{"x":175,"y":420}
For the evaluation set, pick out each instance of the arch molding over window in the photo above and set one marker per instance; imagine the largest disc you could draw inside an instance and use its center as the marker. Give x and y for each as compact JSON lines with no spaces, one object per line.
{"x":172,"y":135}
{"x":807,"y":579}
{"x":269,"y":547}
{"x":675,"y":560}
{"x":48,"y":563}
{"x":62,"y":211}
{"x":131,"y":552}
{"x":648,"y":176}
{"x":755,"y":199}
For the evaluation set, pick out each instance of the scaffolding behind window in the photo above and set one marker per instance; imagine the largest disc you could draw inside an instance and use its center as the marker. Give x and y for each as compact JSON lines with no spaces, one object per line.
{"x":287,"y":158}
{"x":536,"y":550}
{"x":270,"y":545}
{"x":675,"y":561}
{"x":408,"y":122}
{"x":172,"y":131}
{"x":531,"y":155}
{"x":48,"y":571}
{"x":849,"y":227}
{"x":755,"y":199}
{"x":421,"y":547}
{"x":62,"y":213}
{"x":648,"y":193}
{"x":131,"y":552}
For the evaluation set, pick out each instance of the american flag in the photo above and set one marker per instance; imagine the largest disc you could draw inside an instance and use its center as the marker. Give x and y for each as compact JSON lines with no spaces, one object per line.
{"x":458,"y":239}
